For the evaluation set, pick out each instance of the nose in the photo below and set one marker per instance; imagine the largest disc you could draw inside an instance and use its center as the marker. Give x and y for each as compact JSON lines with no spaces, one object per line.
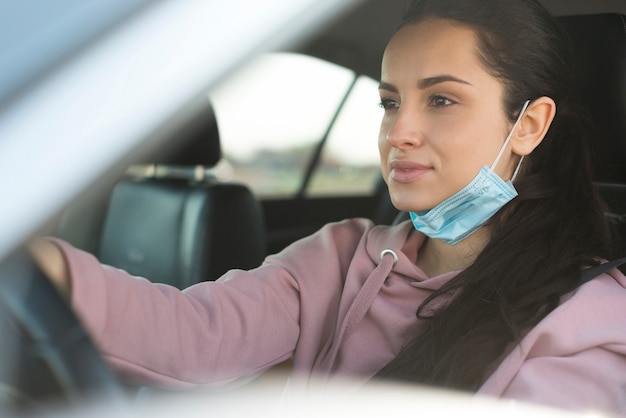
{"x":400,"y":129}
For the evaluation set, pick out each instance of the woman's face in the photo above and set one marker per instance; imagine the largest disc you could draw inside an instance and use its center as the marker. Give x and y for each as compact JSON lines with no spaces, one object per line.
{"x":444,"y":116}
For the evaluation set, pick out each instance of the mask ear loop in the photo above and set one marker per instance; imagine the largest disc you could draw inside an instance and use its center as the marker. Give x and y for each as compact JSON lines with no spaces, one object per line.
{"x":517,"y":169}
{"x":506,"y":142}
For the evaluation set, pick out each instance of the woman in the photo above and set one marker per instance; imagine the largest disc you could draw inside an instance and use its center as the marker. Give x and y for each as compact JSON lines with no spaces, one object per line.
{"x":484,"y":144}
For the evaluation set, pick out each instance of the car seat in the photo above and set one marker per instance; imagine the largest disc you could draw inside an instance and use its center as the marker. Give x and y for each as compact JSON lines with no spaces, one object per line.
{"x":171,"y":220}
{"x":599,"y":43}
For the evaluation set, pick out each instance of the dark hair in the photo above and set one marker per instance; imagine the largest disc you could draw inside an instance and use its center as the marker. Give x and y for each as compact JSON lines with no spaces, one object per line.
{"x":542,"y":239}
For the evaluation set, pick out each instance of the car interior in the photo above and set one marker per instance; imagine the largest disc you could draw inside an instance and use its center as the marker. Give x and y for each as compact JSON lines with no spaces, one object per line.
{"x":169,"y":218}
{"x":599,"y":43}
{"x":173,"y":211}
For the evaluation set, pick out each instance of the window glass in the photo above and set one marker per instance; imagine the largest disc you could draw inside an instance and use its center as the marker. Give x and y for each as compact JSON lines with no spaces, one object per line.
{"x":273,"y":115}
{"x":350,"y":162}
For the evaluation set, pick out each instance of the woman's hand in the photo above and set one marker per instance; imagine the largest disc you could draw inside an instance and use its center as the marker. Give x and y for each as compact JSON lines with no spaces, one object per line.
{"x":50,"y":260}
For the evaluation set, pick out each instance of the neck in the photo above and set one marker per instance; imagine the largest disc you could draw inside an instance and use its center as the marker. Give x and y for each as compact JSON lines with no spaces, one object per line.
{"x":436,"y":257}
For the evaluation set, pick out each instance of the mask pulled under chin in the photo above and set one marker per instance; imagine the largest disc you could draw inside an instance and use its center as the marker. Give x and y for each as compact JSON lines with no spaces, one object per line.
{"x":466,"y":211}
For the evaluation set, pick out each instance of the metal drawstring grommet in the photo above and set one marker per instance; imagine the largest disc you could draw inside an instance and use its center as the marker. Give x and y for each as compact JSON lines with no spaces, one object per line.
{"x":392,"y":252}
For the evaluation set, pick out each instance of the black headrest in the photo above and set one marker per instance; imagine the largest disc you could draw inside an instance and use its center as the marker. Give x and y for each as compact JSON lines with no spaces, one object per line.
{"x":196,"y":142}
{"x":599,"y":43}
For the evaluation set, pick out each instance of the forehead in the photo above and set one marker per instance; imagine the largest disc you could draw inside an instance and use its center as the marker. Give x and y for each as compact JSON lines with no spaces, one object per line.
{"x":433,"y":46}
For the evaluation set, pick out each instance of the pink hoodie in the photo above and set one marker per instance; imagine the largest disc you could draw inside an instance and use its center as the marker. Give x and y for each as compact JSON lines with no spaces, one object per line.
{"x":338,"y":307}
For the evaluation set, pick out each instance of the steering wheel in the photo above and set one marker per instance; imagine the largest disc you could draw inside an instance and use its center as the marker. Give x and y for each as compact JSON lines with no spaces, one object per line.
{"x":46,"y":353}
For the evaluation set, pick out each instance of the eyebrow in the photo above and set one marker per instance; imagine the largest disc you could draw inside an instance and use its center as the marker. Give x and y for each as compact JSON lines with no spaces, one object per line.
{"x":426,"y":82}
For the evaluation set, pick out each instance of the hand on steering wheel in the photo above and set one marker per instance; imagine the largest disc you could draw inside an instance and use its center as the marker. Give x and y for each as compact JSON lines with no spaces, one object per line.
{"x":44,"y":331}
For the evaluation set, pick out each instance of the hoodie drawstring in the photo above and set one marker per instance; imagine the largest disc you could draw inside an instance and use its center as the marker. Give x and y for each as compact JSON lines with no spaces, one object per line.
{"x":363,"y":301}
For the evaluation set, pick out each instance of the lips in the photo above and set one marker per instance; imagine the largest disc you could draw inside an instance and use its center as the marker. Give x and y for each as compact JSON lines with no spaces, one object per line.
{"x":404,"y":171}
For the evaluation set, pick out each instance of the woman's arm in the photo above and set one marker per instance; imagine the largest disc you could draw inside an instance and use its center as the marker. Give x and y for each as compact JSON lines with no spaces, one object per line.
{"x":213,"y":334}
{"x":51,"y":261}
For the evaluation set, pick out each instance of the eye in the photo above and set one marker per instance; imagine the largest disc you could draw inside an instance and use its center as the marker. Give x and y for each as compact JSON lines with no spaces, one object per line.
{"x":389,"y":104}
{"x":437,"y":100}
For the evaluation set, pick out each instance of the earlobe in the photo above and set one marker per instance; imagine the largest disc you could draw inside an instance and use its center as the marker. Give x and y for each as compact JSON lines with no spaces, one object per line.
{"x":533,"y":126}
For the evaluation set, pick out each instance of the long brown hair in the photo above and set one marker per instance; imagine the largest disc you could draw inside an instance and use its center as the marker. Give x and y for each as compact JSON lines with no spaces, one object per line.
{"x":553,"y":228}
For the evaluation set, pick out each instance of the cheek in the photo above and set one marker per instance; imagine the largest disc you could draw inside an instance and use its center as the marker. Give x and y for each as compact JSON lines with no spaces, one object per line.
{"x":383,"y":151}
{"x":383,"y":144}
{"x":382,"y":132}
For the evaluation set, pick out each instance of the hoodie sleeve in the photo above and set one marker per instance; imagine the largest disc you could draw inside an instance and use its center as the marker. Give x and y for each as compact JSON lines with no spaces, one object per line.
{"x":212,"y":334}
{"x":576,"y":357}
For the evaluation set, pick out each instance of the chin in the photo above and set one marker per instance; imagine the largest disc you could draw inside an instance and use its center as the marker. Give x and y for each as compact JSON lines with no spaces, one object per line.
{"x":410,"y":206}
{"x":409,"y":201}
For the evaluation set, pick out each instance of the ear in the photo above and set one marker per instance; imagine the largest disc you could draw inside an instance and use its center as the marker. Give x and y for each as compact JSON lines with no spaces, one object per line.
{"x":533,"y":125}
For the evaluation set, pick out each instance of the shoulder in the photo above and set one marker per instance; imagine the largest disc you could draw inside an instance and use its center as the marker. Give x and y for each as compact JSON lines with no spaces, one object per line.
{"x":349,"y":234}
{"x":591,"y":316}
{"x":361,"y":227}
{"x":576,"y":356}
{"x":337,"y":245}
{"x":601,"y":300}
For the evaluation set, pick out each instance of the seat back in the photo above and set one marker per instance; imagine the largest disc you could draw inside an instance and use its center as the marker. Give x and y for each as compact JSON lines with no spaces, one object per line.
{"x":173,"y":222}
{"x":599,"y":43}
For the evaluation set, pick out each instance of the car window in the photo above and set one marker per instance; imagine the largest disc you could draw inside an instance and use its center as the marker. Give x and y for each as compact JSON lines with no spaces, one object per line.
{"x":282,"y":112}
{"x":349,"y":161}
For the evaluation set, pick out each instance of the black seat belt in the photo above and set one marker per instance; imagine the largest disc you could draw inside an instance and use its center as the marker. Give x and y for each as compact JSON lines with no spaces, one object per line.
{"x":598,"y":270}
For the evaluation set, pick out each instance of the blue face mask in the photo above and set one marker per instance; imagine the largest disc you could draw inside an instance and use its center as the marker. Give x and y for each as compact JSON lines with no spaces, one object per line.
{"x":464,"y":212}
